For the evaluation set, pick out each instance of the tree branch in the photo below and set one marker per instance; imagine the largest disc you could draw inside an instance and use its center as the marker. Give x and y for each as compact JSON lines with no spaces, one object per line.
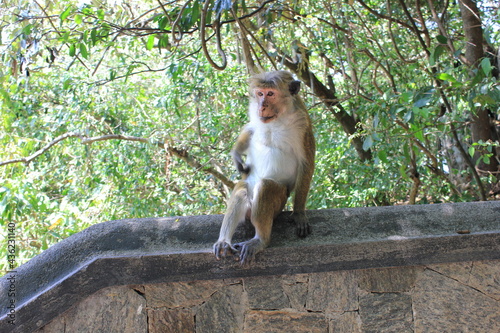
{"x":349,"y":123}
{"x":389,"y":18}
{"x":183,"y":154}
{"x":27,"y":160}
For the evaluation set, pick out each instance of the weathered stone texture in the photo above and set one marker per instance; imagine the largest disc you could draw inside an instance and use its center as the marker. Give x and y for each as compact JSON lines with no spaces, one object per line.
{"x":113,"y":310}
{"x":443,"y":304}
{"x":266,"y":294}
{"x":333,"y":291}
{"x":285,"y":321}
{"x":296,"y":288}
{"x":456,"y":297}
{"x":347,"y":322}
{"x":388,"y":280}
{"x":180,"y":294}
{"x":222,"y":312}
{"x":387,"y":312}
{"x":171,"y":321}
{"x":481,"y":275}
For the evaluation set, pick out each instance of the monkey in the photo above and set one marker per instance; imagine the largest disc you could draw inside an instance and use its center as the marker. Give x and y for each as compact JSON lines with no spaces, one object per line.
{"x":279,"y":149}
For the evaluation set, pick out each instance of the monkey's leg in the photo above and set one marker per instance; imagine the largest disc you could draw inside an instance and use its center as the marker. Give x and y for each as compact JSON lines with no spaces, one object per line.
{"x":237,"y":208}
{"x":269,"y":199}
{"x":302,"y":186}
{"x":302,"y":226}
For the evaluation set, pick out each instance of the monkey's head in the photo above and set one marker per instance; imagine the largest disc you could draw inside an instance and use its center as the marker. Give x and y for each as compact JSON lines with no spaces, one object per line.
{"x":272,"y":94}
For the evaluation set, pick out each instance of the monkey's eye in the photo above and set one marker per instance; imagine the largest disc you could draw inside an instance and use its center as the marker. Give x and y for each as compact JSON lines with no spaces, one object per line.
{"x":260,"y":93}
{"x":271,"y":93}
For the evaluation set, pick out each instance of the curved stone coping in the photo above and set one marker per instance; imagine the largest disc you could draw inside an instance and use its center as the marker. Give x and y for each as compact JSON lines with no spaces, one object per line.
{"x":155,"y":250}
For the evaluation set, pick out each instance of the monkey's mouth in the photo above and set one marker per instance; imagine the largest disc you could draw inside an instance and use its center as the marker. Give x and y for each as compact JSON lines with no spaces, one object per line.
{"x":267,"y":119}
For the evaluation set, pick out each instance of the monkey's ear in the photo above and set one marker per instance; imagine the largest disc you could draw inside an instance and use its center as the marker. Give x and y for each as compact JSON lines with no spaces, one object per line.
{"x":294,"y":87}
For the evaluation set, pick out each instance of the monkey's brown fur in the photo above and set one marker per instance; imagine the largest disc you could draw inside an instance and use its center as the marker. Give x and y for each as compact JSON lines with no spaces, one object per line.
{"x":280,"y":148}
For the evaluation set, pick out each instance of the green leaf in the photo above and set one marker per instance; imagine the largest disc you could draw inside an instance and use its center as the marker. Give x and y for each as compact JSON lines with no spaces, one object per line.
{"x":367,"y":143}
{"x":402,"y":172}
{"x":72,"y":50}
{"x":423,"y":97}
{"x":78,"y":18}
{"x":446,"y":77}
{"x":151,"y":42}
{"x":67,"y":84}
{"x":435,"y":54}
{"x":27,"y":29}
{"x":478,"y":77}
{"x":484,"y":99}
{"x":408,"y":116}
{"x":419,"y":135}
{"x":486,"y":66}
{"x":100,"y":14}
{"x":93,"y":36}
{"x":472,"y":150}
{"x":382,"y":155}
{"x":442,"y":39}
{"x":406,"y":96}
{"x":162,"y":22}
{"x":164,"y":41}
{"x":83,"y":51}
{"x":65,"y":14}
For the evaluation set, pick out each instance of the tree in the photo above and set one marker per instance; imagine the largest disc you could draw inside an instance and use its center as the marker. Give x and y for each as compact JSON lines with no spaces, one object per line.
{"x":482,"y":126}
{"x":113,"y":110}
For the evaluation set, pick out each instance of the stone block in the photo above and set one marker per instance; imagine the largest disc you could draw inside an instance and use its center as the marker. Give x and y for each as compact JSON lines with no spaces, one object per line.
{"x":171,"y":321}
{"x":443,"y":304}
{"x":482,"y":275}
{"x":333,"y":292}
{"x":111,"y":310}
{"x":266,"y":293}
{"x":296,"y":289}
{"x":285,"y":321}
{"x":180,"y":294}
{"x":347,"y":322}
{"x":387,"y":312}
{"x":223,"y":311}
{"x":388,"y":280}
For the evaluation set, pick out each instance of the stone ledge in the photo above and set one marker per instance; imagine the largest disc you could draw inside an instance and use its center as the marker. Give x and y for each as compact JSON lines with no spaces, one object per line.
{"x":156,"y":250}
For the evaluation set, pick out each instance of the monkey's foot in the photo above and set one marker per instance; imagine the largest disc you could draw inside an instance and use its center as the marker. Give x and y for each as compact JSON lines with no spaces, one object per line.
{"x":247,"y":250}
{"x":302,"y":226}
{"x":222,"y":248}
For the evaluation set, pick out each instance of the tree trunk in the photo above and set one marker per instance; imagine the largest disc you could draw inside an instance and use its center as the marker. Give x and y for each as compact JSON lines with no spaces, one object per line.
{"x":481,"y":127}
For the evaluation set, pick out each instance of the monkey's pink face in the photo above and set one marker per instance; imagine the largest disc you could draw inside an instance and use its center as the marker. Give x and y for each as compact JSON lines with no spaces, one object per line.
{"x":267,"y":104}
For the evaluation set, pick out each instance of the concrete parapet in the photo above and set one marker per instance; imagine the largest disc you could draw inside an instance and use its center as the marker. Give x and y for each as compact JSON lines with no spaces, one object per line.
{"x":358,"y":260}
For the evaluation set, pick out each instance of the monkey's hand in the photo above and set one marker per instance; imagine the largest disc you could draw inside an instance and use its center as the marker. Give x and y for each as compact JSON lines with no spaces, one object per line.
{"x":249,"y":249}
{"x":222,"y":248}
{"x":241,"y":166}
{"x":302,"y":226}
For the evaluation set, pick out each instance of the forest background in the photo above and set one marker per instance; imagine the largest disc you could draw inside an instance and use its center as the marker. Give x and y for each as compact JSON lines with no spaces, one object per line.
{"x":121,"y":109}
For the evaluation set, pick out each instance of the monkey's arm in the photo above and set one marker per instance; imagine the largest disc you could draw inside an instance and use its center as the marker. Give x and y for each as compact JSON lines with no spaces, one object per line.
{"x":302,"y":185}
{"x":239,"y":148}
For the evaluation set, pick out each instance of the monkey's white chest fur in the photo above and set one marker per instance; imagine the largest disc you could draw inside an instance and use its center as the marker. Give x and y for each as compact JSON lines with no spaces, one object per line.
{"x":276,"y":152}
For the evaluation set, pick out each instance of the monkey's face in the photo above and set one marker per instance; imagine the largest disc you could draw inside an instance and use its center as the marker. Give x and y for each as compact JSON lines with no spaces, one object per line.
{"x":268,"y":104}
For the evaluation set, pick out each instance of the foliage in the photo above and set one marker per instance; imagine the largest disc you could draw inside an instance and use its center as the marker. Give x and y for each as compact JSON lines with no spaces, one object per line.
{"x":145,"y":72}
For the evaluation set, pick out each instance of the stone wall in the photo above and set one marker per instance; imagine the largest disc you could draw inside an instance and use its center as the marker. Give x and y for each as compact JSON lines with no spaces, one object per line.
{"x":454,"y":297}
{"x":423,"y":268}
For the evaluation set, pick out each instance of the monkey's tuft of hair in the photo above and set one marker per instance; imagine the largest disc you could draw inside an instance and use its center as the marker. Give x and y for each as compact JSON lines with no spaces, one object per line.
{"x":277,"y":79}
